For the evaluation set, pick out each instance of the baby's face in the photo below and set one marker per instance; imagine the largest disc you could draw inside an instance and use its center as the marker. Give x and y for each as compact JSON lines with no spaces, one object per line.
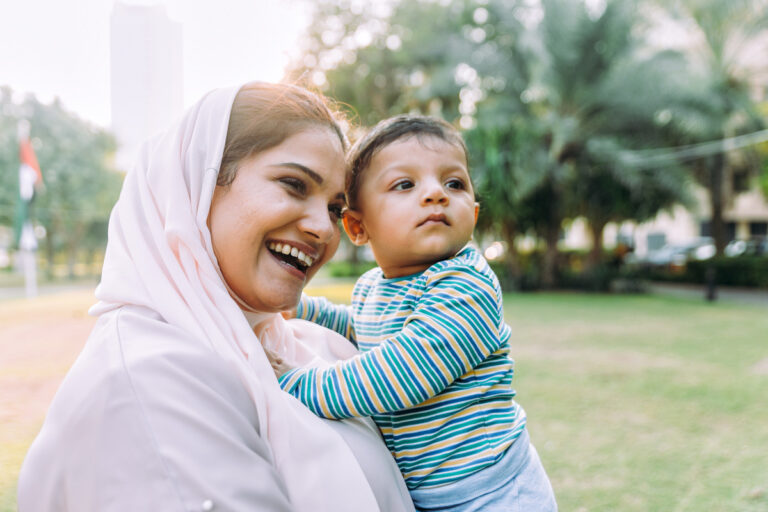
{"x":417,"y":205}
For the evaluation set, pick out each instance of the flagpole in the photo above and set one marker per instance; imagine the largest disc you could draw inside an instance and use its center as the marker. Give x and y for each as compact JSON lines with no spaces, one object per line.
{"x":27,"y":248}
{"x":27,"y":238}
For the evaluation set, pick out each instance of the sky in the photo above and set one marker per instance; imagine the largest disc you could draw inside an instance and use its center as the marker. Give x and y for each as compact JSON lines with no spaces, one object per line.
{"x":62,"y":48}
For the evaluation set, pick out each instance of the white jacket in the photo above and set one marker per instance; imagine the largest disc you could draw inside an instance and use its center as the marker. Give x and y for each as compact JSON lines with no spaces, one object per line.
{"x":146,"y":419}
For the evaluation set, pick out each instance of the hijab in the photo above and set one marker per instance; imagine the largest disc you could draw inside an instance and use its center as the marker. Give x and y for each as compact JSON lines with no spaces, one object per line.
{"x":159,"y":256}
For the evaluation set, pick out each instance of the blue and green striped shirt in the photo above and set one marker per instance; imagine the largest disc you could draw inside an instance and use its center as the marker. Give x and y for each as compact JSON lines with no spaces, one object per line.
{"x":434,"y":371}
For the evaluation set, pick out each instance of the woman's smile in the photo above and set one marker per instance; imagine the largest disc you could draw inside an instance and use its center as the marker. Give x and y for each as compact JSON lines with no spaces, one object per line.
{"x":277,"y":223}
{"x":293,"y":256}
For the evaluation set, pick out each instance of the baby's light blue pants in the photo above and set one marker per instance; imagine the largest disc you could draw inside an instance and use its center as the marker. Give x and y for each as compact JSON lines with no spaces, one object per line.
{"x":516,"y":483}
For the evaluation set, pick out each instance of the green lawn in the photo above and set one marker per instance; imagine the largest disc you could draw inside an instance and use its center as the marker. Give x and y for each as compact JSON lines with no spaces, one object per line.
{"x":637,"y":403}
{"x":640,"y":403}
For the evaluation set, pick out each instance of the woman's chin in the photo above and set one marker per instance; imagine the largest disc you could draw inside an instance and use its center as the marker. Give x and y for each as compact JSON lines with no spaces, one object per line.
{"x":276,"y":303}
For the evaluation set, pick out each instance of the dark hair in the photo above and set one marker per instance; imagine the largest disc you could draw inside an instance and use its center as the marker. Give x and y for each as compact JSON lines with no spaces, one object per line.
{"x":264,"y":115}
{"x":391,"y":130}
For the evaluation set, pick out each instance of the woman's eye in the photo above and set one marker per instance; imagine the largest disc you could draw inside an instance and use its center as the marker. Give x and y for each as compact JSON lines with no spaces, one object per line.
{"x":403,"y":185}
{"x":455,"y":183}
{"x":297,"y":185}
{"x":336,"y":211}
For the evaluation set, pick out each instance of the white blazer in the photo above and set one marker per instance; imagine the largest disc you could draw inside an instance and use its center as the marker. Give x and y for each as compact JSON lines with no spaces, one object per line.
{"x":146,"y":419}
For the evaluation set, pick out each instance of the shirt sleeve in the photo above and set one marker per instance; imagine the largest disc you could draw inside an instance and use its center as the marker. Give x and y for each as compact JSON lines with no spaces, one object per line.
{"x":321,"y":311}
{"x":454,"y":327}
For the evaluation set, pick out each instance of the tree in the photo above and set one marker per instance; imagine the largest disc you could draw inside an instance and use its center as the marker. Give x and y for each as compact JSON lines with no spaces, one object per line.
{"x":80,"y":184}
{"x":547,"y":90}
{"x":583,"y":89}
{"x":729,"y":52}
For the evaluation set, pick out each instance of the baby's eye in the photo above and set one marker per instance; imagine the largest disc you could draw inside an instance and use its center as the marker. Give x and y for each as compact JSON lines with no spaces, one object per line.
{"x":295,"y":184}
{"x":455,"y":183}
{"x":403,"y":185}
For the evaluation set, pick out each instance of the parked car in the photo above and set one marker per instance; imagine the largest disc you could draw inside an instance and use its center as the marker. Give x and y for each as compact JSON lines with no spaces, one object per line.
{"x":755,"y":246}
{"x":677,"y":255}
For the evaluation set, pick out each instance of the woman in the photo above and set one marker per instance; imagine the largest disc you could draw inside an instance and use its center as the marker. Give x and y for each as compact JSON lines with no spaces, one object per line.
{"x":172,"y":404}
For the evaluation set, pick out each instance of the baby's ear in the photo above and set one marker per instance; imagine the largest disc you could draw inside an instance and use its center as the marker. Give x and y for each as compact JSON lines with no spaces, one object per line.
{"x":353,"y":225}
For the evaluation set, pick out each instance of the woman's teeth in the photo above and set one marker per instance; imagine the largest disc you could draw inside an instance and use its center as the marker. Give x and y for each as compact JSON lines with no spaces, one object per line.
{"x":291,"y":251}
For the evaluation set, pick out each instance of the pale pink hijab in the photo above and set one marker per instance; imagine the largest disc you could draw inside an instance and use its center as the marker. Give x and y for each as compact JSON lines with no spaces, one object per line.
{"x":160,"y":256}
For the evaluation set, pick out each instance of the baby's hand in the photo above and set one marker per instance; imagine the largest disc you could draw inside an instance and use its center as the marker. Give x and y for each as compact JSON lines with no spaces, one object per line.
{"x":278,"y":365}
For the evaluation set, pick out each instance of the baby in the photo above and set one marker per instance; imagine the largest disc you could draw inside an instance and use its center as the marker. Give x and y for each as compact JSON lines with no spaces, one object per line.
{"x":434,"y":370}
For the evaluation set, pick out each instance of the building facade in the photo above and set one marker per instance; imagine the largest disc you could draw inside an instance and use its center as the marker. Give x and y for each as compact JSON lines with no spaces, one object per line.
{"x":146,"y":75}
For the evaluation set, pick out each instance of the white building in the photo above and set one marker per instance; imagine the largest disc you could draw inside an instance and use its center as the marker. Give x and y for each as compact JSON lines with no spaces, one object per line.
{"x":146,"y":75}
{"x":745,"y":216}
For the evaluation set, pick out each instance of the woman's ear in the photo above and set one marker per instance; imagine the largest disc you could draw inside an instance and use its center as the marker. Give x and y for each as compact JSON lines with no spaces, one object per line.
{"x":353,"y":225}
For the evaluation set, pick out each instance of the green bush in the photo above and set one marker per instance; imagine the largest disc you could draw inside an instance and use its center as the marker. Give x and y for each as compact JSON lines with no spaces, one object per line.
{"x":347,"y":269}
{"x":751,"y":271}
{"x":597,"y":279}
{"x":573,"y":274}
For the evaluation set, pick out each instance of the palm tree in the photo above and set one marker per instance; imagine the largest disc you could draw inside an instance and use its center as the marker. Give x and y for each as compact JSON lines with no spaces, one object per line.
{"x":587,"y":93}
{"x":728,"y":59}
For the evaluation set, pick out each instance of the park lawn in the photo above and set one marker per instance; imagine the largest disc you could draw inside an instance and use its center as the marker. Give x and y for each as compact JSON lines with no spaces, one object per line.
{"x":643,"y":403}
{"x":635,"y":403}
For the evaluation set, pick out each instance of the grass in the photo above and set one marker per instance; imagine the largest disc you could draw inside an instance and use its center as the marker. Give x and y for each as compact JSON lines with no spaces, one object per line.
{"x":645,"y":403}
{"x":635,"y":403}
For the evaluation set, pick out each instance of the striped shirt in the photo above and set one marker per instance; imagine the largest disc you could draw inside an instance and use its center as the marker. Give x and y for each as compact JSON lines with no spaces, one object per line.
{"x":434,"y":371}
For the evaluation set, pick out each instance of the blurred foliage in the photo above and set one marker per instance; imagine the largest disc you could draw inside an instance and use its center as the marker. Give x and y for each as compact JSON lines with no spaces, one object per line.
{"x":348,"y":269}
{"x":552,"y":95}
{"x":727,"y":59}
{"x":742,"y":271}
{"x":80,"y":184}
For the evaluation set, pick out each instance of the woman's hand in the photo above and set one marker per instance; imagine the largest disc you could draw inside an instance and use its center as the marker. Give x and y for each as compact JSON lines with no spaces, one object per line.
{"x":279,"y":366}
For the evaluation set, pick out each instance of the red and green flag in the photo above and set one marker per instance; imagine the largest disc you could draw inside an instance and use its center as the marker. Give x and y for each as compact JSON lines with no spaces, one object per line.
{"x":30,"y":180}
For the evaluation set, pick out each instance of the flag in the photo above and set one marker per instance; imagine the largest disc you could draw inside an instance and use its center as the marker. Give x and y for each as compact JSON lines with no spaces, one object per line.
{"x":30,"y":180}
{"x":30,"y":176}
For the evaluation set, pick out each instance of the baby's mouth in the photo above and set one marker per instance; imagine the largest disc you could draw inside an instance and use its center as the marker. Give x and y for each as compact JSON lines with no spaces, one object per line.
{"x":436,"y":217}
{"x":291,"y":255}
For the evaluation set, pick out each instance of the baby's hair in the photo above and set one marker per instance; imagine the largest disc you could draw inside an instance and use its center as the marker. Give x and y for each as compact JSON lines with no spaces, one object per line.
{"x":392,"y":130}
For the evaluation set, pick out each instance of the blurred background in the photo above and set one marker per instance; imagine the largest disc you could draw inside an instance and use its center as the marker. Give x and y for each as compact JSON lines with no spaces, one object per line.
{"x":609,"y":139}
{"x":617,"y":146}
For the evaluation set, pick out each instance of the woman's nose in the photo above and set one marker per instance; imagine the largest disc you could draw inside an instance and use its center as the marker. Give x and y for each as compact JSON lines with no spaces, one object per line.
{"x":434,"y":193}
{"x":317,"y":223}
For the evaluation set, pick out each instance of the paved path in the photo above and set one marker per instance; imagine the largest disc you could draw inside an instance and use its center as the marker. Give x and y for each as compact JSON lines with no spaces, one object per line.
{"x":754,"y":296}
{"x":19,"y":292}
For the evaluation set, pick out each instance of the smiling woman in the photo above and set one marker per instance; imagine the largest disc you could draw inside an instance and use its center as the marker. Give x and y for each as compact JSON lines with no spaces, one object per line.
{"x":290,"y":195}
{"x":173,"y":405}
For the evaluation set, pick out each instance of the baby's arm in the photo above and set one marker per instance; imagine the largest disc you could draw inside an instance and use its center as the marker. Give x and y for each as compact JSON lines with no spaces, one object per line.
{"x":454,"y":327}
{"x":337,"y":317}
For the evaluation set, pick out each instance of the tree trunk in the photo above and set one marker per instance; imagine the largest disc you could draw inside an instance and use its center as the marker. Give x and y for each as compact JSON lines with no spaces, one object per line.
{"x":509,"y":233}
{"x":71,"y":260}
{"x":49,"y":254}
{"x":717,"y":224}
{"x":549,"y":270}
{"x":596,"y":228}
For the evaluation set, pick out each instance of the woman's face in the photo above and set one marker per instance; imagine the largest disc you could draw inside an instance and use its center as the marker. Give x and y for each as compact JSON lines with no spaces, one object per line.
{"x":277,"y":222}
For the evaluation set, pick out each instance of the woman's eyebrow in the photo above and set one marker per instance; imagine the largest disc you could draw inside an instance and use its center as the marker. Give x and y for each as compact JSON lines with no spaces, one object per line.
{"x":306,"y":170}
